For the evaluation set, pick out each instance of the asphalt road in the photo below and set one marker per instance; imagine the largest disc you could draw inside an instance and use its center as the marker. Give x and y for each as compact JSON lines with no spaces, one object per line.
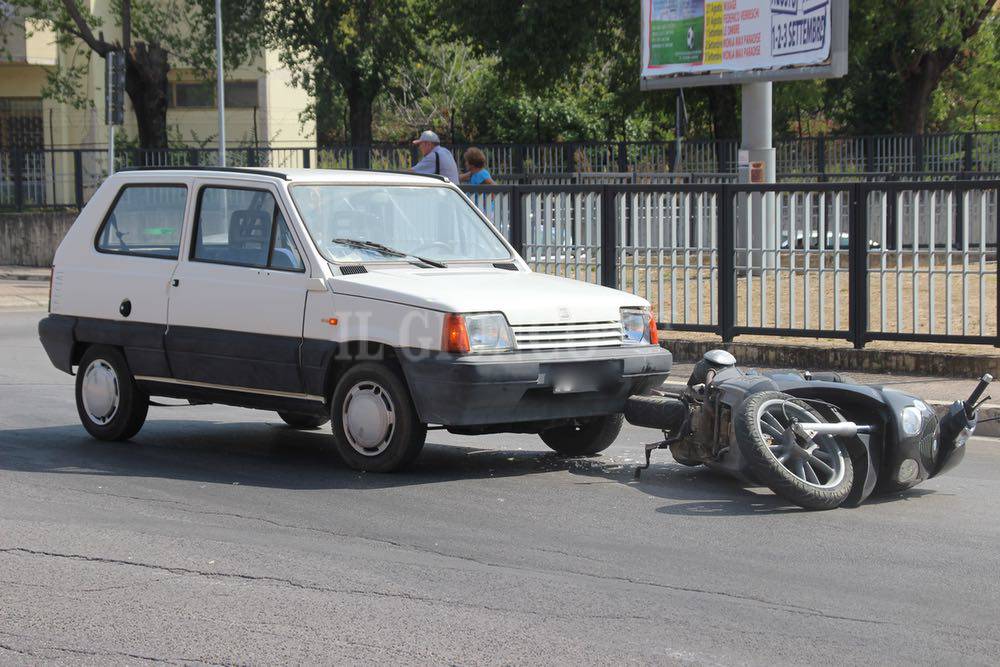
{"x":221,"y":536}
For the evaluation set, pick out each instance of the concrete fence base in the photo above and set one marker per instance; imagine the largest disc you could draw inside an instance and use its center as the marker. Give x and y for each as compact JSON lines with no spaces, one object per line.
{"x":31,"y":239}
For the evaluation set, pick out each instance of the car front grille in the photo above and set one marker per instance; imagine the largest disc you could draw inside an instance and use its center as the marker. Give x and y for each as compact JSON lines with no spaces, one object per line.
{"x":565,"y":335}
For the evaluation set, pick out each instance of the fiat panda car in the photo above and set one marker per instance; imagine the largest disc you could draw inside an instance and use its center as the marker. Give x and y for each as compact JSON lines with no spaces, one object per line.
{"x":383,"y":303}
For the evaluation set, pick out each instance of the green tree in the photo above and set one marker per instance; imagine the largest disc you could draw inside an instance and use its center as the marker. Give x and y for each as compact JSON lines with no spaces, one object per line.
{"x":899,"y":53}
{"x":356,"y":46}
{"x":968,"y":98}
{"x":154,"y":32}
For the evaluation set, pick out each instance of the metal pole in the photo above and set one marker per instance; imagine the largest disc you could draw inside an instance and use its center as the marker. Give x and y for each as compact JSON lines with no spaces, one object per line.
{"x":111,"y":149}
{"x":109,"y":85}
{"x":220,"y":83}
{"x":758,"y":142}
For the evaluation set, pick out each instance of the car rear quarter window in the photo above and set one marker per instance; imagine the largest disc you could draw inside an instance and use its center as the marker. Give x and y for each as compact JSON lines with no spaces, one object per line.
{"x":145,"y":220}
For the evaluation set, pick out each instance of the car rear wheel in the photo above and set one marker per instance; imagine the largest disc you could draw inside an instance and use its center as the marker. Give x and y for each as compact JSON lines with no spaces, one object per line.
{"x":303,"y":421}
{"x":110,"y":404}
{"x":375,"y":425}
{"x":813,"y":472}
{"x":584,"y":437}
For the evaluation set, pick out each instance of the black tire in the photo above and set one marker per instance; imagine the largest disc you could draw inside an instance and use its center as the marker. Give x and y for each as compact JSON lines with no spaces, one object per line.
{"x":756,"y":448}
{"x":664,"y":413}
{"x":403,"y":441}
{"x":303,"y":421}
{"x":125,"y":419}
{"x":584,"y":437}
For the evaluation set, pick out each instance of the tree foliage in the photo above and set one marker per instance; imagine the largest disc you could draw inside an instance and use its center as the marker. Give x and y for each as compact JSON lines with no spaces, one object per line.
{"x":352,"y":47}
{"x":155,"y":33}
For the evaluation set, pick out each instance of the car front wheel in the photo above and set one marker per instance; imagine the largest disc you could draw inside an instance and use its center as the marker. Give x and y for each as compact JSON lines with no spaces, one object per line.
{"x":110,"y":404}
{"x":375,"y":426}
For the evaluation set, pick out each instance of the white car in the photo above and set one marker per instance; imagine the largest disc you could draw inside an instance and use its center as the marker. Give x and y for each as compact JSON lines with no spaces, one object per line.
{"x":386,"y":303}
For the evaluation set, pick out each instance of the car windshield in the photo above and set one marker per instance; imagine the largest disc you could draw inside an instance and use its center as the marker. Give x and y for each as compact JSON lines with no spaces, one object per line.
{"x":349,"y":222}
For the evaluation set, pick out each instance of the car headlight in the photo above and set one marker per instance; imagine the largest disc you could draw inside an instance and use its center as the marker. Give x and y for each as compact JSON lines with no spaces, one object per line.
{"x":638,"y":327}
{"x":912,"y":420}
{"x":482,"y":332}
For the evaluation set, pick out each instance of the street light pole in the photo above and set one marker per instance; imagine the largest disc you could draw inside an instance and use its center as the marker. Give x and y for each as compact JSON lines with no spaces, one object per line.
{"x":220,"y":83}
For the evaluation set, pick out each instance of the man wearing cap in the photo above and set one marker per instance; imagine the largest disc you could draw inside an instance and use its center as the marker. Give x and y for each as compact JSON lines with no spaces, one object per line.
{"x":436,"y":160}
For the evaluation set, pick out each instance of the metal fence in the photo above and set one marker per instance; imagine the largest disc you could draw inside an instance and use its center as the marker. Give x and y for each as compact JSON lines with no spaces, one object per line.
{"x":860,"y":261}
{"x":67,"y":177}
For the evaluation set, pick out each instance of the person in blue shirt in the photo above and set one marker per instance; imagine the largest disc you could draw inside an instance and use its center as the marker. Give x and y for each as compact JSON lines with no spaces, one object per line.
{"x":477,"y":173}
{"x":436,"y":159}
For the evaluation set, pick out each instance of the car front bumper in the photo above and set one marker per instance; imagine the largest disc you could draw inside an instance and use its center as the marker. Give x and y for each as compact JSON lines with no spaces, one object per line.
{"x":490,"y":389}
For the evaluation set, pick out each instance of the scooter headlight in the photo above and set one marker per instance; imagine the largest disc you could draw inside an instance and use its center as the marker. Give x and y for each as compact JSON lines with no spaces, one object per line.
{"x":912,"y":420}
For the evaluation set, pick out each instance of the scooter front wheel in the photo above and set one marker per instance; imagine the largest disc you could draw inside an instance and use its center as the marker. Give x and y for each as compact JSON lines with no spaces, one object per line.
{"x":814,"y":472}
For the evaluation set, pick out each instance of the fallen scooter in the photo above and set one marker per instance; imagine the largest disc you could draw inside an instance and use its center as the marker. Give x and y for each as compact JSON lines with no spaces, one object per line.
{"x":816,"y":439}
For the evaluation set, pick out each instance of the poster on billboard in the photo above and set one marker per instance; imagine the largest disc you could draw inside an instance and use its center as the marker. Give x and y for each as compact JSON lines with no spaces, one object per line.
{"x":714,"y":42}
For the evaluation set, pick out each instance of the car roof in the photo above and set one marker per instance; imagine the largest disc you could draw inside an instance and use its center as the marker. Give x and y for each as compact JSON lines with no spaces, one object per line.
{"x":291,"y":175}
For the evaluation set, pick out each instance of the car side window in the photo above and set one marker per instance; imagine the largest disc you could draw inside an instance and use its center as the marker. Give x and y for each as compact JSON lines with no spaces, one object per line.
{"x":284,"y":255}
{"x":145,"y":220}
{"x":243,"y":227}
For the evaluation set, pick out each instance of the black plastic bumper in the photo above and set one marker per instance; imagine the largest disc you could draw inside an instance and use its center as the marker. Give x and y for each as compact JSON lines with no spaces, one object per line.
{"x":56,"y":334}
{"x":473,"y":390}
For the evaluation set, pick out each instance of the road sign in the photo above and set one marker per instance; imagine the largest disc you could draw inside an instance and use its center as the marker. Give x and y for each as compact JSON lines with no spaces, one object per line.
{"x":114,"y":86}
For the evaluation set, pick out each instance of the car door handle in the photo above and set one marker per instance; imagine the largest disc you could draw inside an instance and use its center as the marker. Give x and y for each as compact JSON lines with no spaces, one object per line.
{"x":175,"y":283}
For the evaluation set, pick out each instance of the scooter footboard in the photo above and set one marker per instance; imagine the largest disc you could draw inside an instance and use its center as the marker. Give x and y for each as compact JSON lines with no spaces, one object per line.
{"x":664,"y":413}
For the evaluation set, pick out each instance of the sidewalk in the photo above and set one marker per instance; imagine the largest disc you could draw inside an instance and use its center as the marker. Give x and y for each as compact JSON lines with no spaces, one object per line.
{"x":24,"y":273}
{"x":23,"y":288}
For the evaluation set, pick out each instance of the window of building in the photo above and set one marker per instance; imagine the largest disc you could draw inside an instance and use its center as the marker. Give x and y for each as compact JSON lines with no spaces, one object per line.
{"x":21,"y":123}
{"x":145,"y":220}
{"x":241,"y":94}
{"x":193,"y":95}
{"x":201,"y":95}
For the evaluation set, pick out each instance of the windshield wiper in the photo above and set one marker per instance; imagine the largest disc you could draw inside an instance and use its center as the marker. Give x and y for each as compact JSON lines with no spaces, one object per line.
{"x":372,"y":245}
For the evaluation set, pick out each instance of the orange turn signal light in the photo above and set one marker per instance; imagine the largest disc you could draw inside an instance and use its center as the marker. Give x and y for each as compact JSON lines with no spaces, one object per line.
{"x":654,"y":335}
{"x":454,"y":337}
{"x":333,"y":321}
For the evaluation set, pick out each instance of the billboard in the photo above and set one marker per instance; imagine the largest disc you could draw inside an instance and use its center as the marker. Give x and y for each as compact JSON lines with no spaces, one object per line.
{"x":714,"y":42}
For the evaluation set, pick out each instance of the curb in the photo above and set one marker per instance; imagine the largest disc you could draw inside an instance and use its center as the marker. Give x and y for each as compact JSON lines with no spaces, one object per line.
{"x":15,"y":275}
{"x":905,"y":362}
{"x":989,"y":415}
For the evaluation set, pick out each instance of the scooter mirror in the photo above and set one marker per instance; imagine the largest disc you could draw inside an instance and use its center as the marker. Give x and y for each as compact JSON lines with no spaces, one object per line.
{"x":720,"y":358}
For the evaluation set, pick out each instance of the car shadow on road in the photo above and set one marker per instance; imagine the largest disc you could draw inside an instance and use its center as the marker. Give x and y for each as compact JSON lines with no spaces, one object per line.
{"x":275,"y":456}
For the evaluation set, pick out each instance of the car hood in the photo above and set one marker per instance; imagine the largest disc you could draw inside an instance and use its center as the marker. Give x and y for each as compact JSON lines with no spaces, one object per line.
{"x":524,"y":297}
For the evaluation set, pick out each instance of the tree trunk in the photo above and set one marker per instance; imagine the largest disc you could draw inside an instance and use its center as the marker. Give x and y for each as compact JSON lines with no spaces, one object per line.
{"x":359,"y":103}
{"x":328,"y":121}
{"x":918,"y":89}
{"x":724,"y":110}
{"x":146,"y":85}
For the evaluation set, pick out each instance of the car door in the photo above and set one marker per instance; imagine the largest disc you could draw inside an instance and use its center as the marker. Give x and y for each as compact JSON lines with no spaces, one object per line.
{"x":238,"y":296}
{"x":119,"y":286}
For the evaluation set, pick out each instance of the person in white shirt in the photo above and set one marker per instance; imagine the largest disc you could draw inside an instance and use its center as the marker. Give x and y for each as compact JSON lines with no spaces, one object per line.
{"x":436,"y":159}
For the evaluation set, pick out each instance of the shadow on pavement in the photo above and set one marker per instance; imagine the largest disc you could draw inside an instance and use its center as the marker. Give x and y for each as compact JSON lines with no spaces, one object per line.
{"x":275,"y":456}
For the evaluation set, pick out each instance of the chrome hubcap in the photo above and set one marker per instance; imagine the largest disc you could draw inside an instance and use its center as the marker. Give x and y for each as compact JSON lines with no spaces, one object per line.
{"x":369,"y":418}
{"x":817,"y":460}
{"x":100,"y":392}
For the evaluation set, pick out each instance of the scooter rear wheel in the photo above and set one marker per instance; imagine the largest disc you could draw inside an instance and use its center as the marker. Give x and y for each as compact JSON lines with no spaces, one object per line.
{"x":814,"y":473}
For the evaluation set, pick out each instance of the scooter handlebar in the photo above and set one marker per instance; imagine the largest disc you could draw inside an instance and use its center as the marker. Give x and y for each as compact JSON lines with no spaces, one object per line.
{"x":970,"y":405}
